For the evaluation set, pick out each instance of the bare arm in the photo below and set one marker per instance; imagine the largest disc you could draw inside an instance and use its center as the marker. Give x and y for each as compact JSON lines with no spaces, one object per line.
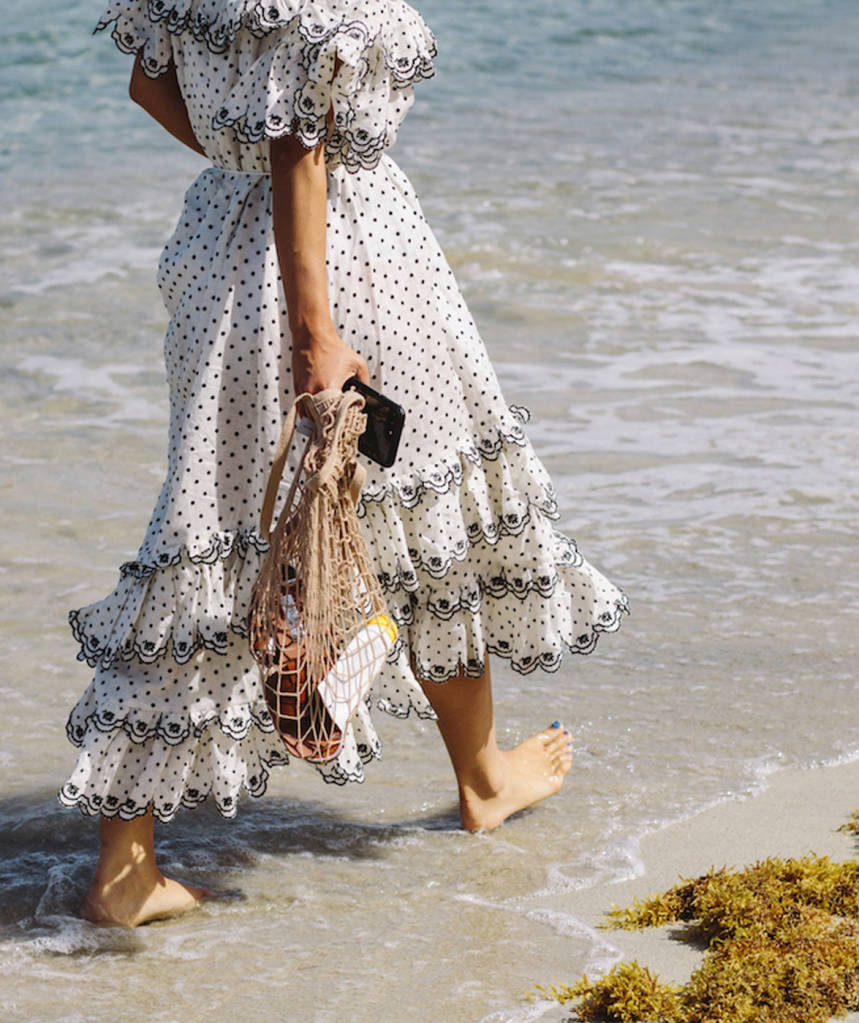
{"x":299,"y":180}
{"x":299,"y":183}
{"x":161,"y":98}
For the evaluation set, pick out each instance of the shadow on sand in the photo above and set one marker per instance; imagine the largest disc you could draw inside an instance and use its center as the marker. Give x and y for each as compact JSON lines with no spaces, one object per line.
{"x":47,"y":855}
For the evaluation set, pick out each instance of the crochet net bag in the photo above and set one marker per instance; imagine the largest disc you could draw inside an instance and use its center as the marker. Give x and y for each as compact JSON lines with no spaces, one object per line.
{"x":318,"y":625}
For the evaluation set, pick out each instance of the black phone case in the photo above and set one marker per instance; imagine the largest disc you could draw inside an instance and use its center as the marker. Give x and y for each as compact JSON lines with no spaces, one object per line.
{"x":385,"y":420}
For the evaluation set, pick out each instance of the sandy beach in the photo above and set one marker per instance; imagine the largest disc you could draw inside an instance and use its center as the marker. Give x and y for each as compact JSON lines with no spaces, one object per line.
{"x":650,"y":210}
{"x":799,"y":812}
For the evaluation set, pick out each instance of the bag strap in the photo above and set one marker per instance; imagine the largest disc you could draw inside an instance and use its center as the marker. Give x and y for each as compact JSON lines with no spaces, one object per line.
{"x":287,"y":434}
{"x":277,"y":466}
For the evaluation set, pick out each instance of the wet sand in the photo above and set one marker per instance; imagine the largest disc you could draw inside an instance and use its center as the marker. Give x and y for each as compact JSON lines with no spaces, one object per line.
{"x":799,"y":812}
{"x":653,"y":221}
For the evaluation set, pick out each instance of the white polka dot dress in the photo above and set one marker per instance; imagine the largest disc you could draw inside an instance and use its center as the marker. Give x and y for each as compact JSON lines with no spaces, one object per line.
{"x":460,"y":527}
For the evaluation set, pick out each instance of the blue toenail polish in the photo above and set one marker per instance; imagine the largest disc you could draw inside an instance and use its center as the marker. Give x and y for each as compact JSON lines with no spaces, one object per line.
{"x":556,"y":724}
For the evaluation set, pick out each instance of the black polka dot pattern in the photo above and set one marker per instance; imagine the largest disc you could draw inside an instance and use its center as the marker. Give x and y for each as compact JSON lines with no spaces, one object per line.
{"x":171,"y":735}
{"x":460,"y":527}
{"x":254,"y":70}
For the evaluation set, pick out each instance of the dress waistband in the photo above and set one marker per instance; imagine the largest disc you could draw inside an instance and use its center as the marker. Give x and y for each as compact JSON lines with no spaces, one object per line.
{"x":238,"y":173}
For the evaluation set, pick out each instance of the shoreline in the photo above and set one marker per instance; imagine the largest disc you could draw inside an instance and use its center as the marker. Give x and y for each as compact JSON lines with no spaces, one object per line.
{"x":797,"y":813}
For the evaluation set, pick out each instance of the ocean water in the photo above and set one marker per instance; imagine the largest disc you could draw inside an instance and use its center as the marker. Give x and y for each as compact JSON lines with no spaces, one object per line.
{"x":650,"y":208}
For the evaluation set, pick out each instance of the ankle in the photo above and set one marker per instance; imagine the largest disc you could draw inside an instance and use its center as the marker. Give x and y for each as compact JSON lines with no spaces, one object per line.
{"x":484,"y":780}
{"x":131,"y":864}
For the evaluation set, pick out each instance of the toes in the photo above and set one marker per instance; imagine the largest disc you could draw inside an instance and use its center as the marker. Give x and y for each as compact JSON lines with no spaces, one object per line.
{"x":561,"y":752}
{"x":555,"y":739}
{"x":554,"y":732}
{"x":557,"y":748}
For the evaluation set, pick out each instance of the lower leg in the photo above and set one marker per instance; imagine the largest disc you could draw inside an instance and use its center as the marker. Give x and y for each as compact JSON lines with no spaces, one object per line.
{"x":493,"y":783}
{"x":128,"y":888}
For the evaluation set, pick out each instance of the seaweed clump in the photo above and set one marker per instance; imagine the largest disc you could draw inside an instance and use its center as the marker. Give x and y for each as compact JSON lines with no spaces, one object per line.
{"x":852,"y":823}
{"x":629,"y":992}
{"x":782,"y":942}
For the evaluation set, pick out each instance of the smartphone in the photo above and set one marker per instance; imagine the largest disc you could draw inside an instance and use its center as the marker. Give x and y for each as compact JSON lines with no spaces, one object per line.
{"x":385,"y":420}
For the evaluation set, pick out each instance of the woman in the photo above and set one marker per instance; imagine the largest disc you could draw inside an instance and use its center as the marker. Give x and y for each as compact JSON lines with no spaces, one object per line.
{"x":302,"y":258}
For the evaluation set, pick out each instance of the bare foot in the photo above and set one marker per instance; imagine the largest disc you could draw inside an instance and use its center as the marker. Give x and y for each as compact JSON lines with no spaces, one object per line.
{"x":531,"y":771}
{"x":130,"y":901}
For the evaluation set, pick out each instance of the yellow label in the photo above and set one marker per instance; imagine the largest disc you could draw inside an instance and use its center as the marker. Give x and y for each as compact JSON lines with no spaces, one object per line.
{"x":384,"y":622}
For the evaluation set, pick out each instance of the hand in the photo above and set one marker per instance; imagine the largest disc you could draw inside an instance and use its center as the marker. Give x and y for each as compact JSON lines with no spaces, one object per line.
{"x":322,"y":360}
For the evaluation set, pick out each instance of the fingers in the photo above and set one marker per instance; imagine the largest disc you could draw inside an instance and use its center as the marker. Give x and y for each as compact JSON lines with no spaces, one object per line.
{"x":362,"y":372}
{"x":357,"y":368}
{"x":324,"y":361}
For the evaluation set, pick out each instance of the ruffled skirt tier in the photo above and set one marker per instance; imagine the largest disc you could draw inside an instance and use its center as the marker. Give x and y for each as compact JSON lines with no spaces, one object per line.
{"x":460,"y":529}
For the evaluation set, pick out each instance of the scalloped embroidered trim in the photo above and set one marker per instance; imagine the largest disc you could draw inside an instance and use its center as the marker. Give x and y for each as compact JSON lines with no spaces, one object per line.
{"x":240,"y":543}
{"x":471,"y":603}
{"x":442,"y":478}
{"x":217,"y":23}
{"x":407,"y":57}
{"x":91,"y":804}
{"x":97,"y":653}
{"x":255,"y":785}
{"x":549,"y":661}
{"x":438,"y":567}
{"x":172,"y":729}
{"x":148,"y":651}
{"x":223,"y":545}
{"x":352,"y":140}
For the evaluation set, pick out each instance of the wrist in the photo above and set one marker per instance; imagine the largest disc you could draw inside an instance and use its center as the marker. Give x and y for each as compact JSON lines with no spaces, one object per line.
{"x":306,"y":293}
{"x":308,"y":324}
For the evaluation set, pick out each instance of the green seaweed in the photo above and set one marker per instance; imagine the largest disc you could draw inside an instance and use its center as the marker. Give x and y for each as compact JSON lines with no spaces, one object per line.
{"x":782,"y":940}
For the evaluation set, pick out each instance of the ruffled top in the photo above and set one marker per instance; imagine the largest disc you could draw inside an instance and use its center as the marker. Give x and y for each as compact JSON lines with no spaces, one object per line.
{"x":334,"y":70}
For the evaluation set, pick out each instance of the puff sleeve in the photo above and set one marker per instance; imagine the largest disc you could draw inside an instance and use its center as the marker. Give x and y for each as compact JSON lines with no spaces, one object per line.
{"x":135,"y":29}
{"x":379,"y":49}
{"x":288,"y":63}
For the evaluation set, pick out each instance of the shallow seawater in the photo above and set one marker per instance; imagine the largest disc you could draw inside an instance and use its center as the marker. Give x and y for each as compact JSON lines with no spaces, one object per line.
{"x":651,"y":210}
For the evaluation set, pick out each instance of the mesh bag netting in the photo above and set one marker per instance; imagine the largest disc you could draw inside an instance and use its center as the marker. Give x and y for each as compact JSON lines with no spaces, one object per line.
{"x":318,"y":625}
